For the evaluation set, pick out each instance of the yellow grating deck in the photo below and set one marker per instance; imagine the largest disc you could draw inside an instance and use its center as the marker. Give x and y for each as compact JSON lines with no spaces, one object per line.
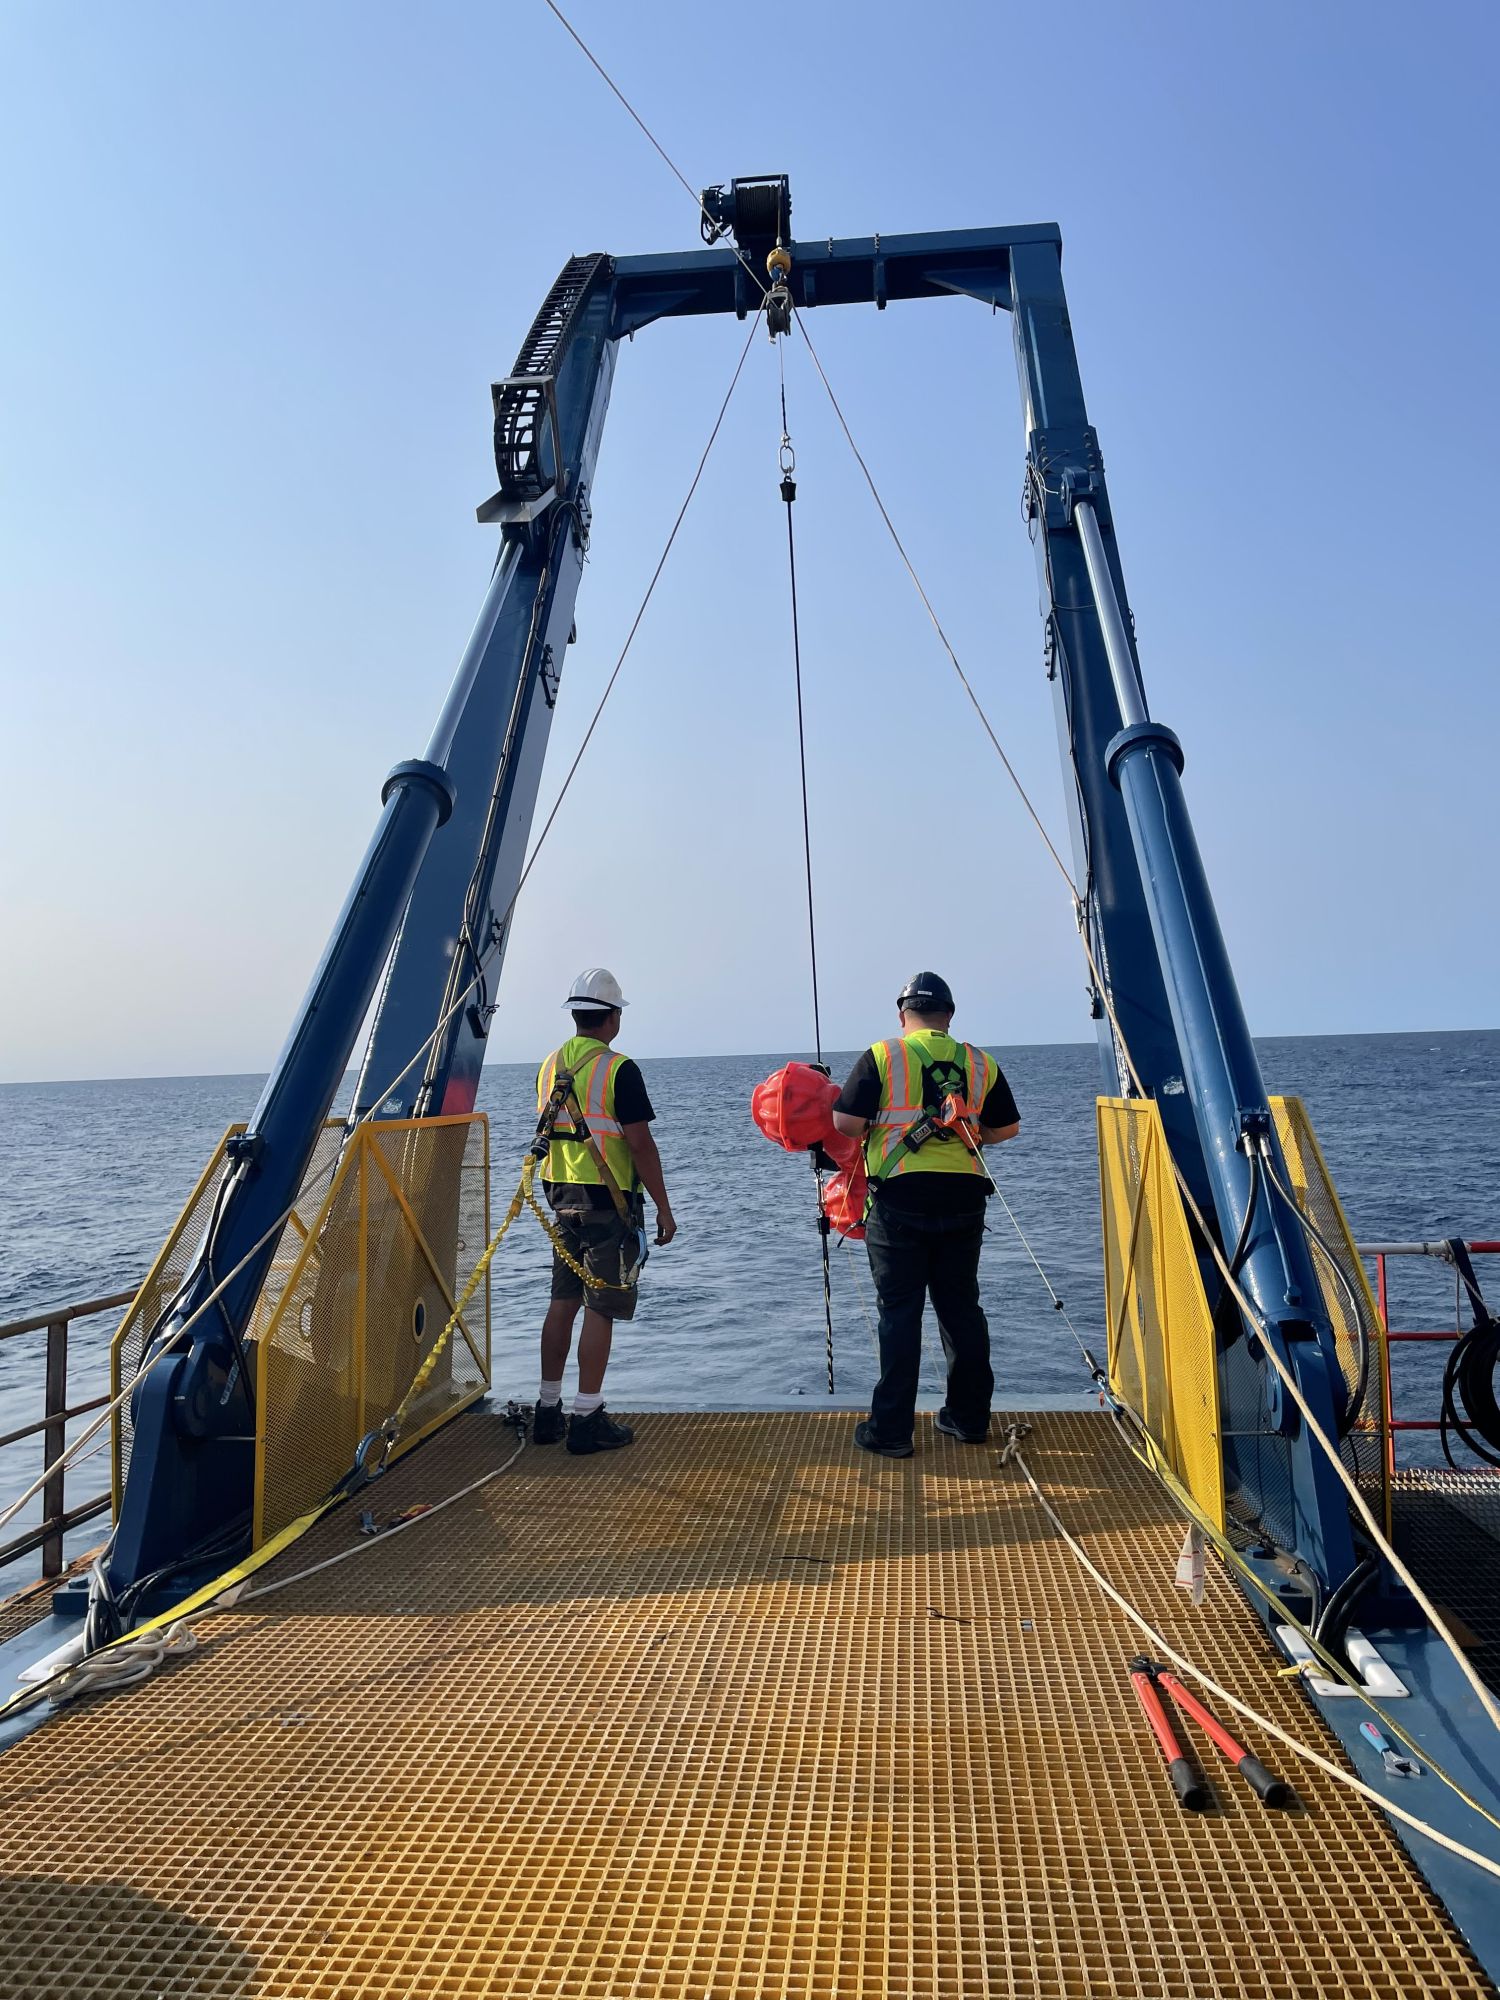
{"x":739,"y":1711}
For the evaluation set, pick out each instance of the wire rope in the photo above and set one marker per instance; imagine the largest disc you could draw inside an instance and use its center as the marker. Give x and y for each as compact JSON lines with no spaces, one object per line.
{"x":787,"y":460}
{"x":937,"y":623}
{"x":651,"y":137}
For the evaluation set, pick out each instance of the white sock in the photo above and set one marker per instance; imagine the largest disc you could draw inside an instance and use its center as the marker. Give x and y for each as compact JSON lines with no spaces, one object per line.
{"x":550,"y":1392}
{"x":585,"y":1406}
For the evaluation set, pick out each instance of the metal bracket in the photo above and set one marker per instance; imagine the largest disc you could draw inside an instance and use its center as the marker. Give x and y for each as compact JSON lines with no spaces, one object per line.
{"x":550,"y":675}
{"x":514,"y":513}
{"x":1068,"y":466}
{"x":583,"y":527}
{"x":1255,"y":1127}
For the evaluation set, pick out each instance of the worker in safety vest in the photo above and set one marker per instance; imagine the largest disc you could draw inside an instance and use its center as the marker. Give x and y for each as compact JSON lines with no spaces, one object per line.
{"x":599,"y":1154}
{"x":924,"y":1105}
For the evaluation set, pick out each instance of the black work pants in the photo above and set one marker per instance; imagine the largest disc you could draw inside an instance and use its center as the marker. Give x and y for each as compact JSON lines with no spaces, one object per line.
{"x":910,"y":1258}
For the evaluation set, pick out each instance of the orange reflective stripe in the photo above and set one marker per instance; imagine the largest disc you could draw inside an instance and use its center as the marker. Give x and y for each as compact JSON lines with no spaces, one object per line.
{"x":544,"y":1083}
{"x":905,"y":1099}
{"x":605,"y":1073}
{"x":585,"y":1095}
{"x":976,"y":1068}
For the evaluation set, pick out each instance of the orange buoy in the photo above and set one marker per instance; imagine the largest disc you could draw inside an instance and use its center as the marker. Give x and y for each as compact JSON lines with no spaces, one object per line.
{"x":844,"y":1200}
{"x":794,"y":1108}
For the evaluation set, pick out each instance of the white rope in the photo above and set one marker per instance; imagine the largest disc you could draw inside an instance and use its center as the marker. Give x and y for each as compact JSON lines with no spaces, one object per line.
{"x":239,"y":1595}
{"x":1014,"y":1455}
{"x":131,"y":1660}
{"x":123,"y":1665}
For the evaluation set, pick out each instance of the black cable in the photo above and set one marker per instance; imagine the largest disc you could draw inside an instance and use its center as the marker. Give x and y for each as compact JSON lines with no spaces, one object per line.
{"x":109,"y":1616}
{"x":789,"y":494}
{"x":236,"y":1342}
{"x":1470,"y":1407}
{"x":824,"y":1229}
{"x":1242,"y":1241}
{"x":1333,"y":1620}
{"x":1361,"y":1331}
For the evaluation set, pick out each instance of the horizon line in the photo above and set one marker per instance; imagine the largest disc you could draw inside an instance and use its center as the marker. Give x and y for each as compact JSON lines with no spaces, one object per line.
{"x":717,"y":1055}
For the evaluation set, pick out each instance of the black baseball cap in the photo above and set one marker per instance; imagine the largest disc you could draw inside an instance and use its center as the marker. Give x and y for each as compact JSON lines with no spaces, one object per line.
{"x":925,"y":993}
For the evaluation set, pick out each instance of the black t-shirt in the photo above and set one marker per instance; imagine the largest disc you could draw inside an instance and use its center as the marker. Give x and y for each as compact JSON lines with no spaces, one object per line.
{"x":927,"y":1194}
{"x":632,"y":1107}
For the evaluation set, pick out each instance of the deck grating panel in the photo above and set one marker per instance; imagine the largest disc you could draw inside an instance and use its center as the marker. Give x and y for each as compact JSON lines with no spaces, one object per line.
{"x":738,"y":1712}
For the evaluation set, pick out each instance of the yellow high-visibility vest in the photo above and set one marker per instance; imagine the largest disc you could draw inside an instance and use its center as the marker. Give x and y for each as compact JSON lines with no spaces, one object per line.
{"x":594,"y":1067}
{"x":916,"y":1072}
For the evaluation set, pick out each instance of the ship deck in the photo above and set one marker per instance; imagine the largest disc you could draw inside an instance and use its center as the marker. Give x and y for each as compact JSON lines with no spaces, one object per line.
{"x":739,"y":1711}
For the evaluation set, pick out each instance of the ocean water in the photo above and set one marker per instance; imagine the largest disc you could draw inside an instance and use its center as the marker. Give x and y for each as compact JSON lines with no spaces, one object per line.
{"x":93,"y":1174}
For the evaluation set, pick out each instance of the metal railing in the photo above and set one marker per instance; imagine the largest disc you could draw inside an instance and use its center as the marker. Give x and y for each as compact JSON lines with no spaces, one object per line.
{"x":1381,"y":1252}
{"x":52,"y":1427}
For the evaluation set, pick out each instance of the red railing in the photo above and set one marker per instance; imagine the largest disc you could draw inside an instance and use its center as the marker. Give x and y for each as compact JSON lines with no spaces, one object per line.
{"x":1381,"y":1252}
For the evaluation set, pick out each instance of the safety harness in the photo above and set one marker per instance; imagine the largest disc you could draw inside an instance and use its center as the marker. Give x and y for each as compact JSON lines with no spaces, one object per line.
{"x":564,"y":1096}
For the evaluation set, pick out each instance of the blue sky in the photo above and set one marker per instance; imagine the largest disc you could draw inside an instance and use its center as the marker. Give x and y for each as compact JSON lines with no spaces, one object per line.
{"x":261,"y":264}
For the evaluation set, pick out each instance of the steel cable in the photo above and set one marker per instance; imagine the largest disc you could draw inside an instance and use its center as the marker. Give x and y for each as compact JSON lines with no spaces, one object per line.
{"x":787,"y":459}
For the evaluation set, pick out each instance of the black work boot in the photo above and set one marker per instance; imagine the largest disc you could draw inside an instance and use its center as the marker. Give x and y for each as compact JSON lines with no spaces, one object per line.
{"x":865,"y":1437}
{"x":946,"y":1422}
{"x":597,"y":1432}
{"x":548,"y":1423}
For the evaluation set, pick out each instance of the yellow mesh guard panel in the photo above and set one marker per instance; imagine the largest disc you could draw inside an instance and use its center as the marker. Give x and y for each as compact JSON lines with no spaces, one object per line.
{"x":1311,"y":1183}
{"x":738,"y":1714}
{"x":364,"y":1301}
{"x":1161,"y":1338}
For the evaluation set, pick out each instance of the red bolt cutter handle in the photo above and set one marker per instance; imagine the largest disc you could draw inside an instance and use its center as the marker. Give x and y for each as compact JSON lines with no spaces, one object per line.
{"x":1269,"y":1789}
{"x":1191,"y":1792}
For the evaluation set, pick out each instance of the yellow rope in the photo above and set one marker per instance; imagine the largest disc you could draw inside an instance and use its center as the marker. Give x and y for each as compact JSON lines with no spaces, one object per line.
{"x":553,"y":1233}
{"x":424,"y":1373}
{"x":524,"y":1197}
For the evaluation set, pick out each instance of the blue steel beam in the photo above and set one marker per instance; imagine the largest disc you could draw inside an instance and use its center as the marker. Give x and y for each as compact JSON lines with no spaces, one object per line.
{"x":826,"y":271}
{"x":1151,"y":916}
{"x":1058,"y":433}
{"x":492,"y":741}
{"x":192,"y":1454}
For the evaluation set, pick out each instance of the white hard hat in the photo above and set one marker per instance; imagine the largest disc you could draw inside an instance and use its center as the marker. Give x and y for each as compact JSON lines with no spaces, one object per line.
{"x":596,"y":988}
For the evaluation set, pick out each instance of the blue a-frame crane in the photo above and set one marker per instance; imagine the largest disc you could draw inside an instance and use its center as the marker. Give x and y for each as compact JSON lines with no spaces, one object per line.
{"x":431,"y":903}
